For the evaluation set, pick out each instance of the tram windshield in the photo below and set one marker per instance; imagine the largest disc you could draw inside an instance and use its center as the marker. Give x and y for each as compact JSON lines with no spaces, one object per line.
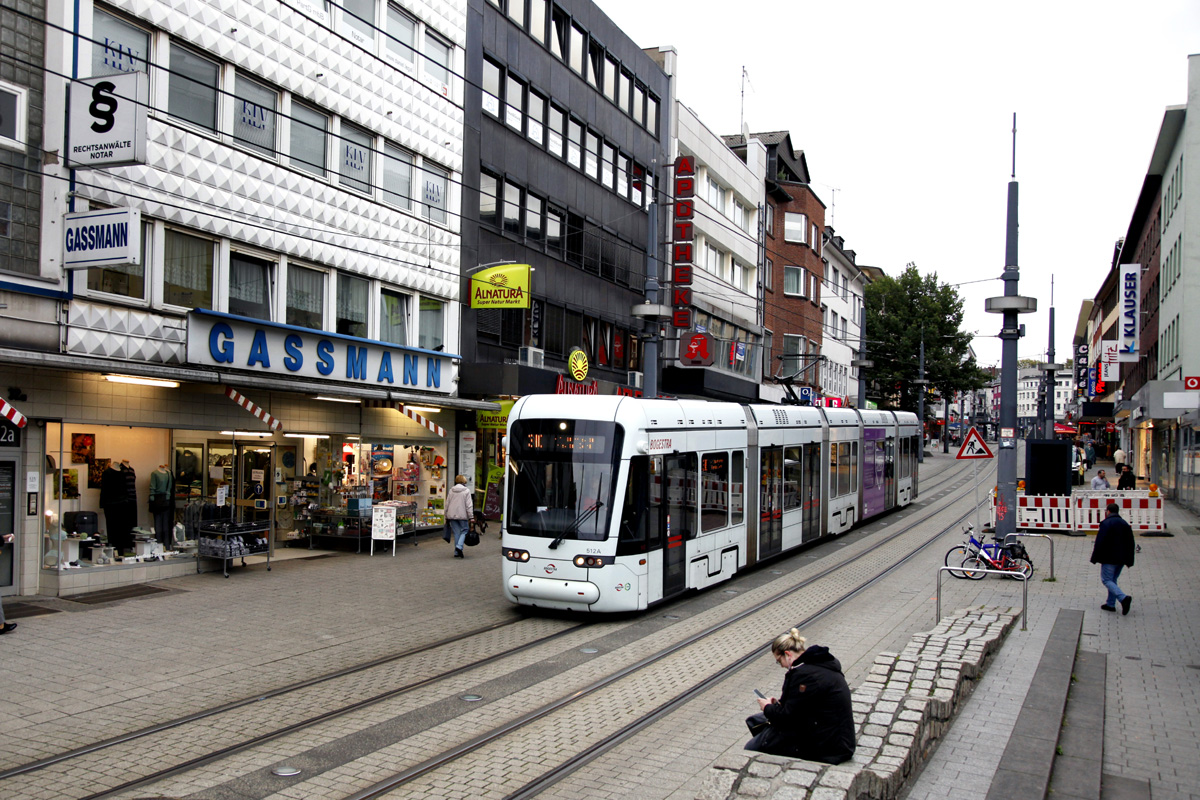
{"x":561,"y":477}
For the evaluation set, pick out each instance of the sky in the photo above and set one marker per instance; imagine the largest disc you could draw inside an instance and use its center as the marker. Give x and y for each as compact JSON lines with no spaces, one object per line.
{"x":904,"y":112}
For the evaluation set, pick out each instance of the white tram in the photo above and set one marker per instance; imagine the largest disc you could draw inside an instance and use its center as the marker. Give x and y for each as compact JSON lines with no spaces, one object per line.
{"x":616,"y":503}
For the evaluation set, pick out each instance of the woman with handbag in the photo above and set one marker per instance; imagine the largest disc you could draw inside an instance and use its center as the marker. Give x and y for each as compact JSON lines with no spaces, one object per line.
{"x":460,"y":508}
{"x":812,"y":719}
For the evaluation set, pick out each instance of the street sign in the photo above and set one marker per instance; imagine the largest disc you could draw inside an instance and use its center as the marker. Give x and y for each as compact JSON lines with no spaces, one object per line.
{"x":973,"y":447}
{"x":1191,"y":383}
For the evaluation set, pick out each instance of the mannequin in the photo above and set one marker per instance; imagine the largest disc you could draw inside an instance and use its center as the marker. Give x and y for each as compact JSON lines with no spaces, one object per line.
{"x":119,"y":514}
{"x":162,"y":504}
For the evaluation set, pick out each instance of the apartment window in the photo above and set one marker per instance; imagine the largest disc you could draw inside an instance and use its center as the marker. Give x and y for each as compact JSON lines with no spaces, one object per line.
{"x":533,"y":218}
{"x":309,"y":130}
{"x":516,"y":12}
{"x":393,"y":317}
{"x":537,"y":20}
{"x":555,"y":228}
{"x":595,"y":65}
{"x":437,"y":63}
{"x":12,"y":116}
{"x":125,"y":280}
{"x":608,"y":155}
{"x":514,"y":102}
{"x":712,"y":260}
{"x":254,"y":120}
{"x":558,"y":131}
{"x":433,"y":313}
{"x":512,"y":208}
{"x":305,"y":297}
{"x":611,"y":71}
{"x":769,"y":276}
{"x":355,"y":163}
{"x":639,"y":104}
{"x":250,"y":286}
{"x":591,"y":158}
{"x":119,"y":47}
{"x":358,"y":21}
{"x":435,"y":193}
{"x":738,"y":276}
{"x":625,"y":91}
{"x":622,"y":187}
{"x":578,"y":48}
{"x":795,"y":228}
{"x":574,"y":143}
{"x":192,"y":94}
{"x":795,"y":281}
{"x":491,"y":87}
{"x":187,"y":270}
{"x":352,"y":298}
{"x":770,"y":221}
{"x":741,"y":215}
{"x":793,"y":348}
{"x":488,"y":210}
{"x":402,"y":37}
{"x":559,"y":27}
{"x":397,"y":177}
{"x":651,"y":113}
{"x":536,"y":117}
{"x":716,"y":196}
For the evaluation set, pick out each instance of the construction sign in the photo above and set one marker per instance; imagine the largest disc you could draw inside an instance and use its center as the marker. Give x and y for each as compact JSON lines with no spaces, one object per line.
{"x":973,"y":446}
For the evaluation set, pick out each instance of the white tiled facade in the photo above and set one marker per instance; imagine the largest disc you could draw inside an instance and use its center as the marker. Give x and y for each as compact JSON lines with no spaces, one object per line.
{"x":842,"y":300}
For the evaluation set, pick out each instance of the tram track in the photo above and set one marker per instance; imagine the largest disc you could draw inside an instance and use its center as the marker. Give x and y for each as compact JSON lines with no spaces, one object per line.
{"x":210,"y":762}
{"x":171,"y":736}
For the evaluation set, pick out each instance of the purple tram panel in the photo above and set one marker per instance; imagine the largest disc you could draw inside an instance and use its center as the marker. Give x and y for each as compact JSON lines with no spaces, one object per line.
{"x":874,"y":483}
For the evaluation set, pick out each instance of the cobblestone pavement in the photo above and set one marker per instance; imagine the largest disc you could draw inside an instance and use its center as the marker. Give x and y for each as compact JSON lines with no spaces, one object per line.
{"x":90,"y":671}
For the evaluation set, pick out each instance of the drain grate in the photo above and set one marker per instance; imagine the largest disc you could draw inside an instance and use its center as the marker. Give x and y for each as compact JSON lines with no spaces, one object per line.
{"x":19,"y":610}
{"x":119,"y":593}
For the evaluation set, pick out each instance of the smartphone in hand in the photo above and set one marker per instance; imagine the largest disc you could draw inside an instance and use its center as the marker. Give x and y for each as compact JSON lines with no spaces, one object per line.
{"x":760,"y":694}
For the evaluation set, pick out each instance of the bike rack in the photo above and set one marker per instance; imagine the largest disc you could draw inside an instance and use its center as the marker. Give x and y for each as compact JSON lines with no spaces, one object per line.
{"x":1039,"y":536}
{"x":1014,"y":575}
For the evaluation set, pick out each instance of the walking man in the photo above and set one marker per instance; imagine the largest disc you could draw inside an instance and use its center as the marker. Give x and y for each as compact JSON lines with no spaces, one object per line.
{"x":1113,"y":551}
{"x":1099,"y":481}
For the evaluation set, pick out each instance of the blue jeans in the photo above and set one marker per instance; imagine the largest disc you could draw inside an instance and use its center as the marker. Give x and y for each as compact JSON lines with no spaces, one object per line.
{"x":458,"y":532}
{"x":1108,"y":576}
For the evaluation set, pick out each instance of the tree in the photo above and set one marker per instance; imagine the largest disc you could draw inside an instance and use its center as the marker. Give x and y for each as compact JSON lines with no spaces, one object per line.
{"x":900,"y":311}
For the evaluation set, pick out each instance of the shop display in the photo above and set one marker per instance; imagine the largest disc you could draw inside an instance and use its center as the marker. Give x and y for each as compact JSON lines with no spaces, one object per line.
{"x":229,"y":540}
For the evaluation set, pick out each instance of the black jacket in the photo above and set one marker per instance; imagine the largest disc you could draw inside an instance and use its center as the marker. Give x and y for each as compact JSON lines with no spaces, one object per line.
{"x":1114,"y":542}
{"x":813,"y":712}
{"x":1128,"y":480}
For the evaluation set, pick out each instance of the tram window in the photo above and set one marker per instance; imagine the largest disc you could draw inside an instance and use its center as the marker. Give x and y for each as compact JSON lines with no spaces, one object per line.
{"x":843,"y":469}
{"x":681,"y":494}
{"x":853,"y":466}
{"x":791,"y":477}
{"x":833,"y":469}
{"x":737,"y":485}
{"x":632,"y":533}
{"x":714,"y":491}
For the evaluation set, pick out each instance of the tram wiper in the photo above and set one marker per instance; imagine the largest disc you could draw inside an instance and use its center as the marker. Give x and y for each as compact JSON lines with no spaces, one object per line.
{"x":574,"y":526}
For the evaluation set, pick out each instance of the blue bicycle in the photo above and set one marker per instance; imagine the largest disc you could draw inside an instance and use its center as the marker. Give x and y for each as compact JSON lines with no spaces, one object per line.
{"x":978,"y":556}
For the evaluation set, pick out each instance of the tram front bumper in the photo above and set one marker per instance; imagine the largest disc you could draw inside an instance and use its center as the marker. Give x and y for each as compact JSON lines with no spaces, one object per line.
{"x":552,"y":590}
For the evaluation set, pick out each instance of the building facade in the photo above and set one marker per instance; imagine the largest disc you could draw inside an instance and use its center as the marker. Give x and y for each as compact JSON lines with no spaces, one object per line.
{"x":841,"y":311}
{"x":253,"y":287}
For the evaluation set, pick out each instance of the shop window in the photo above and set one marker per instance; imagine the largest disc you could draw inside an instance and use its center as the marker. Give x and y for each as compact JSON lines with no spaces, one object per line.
{"x":125,"y":280}
{"x":187,"y":270}
{"x":254,"y":116}
{"x":393,"y":317}
{"x":619,"y":348}
{"x":305,"y":297}
{"x":432,"y":322}
{"x":308,"y":140}
{"x":117,"y":46}
{"x":355,"y":166}
{"x":193,"y":88}
{"x":352,"y":303}
{"x":358,"y":21}
{"x":434,"y":191}
{"x":397,"y":177}
{"x":249,"y":286}
{"x":402,"y":36}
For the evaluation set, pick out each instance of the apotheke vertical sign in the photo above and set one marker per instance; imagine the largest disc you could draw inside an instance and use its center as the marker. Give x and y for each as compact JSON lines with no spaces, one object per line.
{"x":683,"y":235}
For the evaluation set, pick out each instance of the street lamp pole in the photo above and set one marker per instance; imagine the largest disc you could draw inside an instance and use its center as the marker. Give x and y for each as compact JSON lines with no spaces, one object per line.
{"x":921,"y":400}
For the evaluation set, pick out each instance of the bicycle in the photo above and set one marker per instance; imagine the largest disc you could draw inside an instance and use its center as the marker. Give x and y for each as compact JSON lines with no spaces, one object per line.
{"x":996,"y":555}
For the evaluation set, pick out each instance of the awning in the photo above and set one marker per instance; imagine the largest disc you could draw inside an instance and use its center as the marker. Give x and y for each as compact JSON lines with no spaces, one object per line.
{"x":259,"y":413}
{"x":12,"y":415}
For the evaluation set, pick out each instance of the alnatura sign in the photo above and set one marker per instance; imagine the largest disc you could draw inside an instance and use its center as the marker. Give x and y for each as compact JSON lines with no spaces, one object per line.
{"x":107,"y":125}
{"x":103,"y":237}
{"x":226,"y":341}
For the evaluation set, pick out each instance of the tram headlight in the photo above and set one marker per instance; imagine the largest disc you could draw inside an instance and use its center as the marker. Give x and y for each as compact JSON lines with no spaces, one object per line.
{"x":512,"y":554}
{"x":594,"y":562}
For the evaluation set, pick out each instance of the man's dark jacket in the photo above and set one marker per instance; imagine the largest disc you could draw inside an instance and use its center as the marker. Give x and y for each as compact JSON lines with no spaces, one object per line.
{"x":1114,"y":542}
{"x":813,"y":713}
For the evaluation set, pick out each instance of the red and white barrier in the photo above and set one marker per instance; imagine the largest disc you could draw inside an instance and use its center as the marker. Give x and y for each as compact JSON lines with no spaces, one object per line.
{"x":12,"y":415}
{"x":258,"y":412}
{"x":1085,"y":510}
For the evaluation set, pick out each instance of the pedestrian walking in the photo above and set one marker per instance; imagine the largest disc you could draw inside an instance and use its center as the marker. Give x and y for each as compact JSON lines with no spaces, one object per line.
{"x":1113,"y":551}
{"x":5,"y":627}
{"x":1090,"y":451}
{"x":812,"y":719}
{"x":460,"y":508}
{"x":1119,"y":457}
{"x":1099,"y":481}
{"x":1127,"y":480}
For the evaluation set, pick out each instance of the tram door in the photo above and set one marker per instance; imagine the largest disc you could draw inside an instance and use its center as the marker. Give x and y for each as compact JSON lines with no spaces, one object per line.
{"x":680,"y":482}
{"x":810,"y":492}
{"x":770,"y":504}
